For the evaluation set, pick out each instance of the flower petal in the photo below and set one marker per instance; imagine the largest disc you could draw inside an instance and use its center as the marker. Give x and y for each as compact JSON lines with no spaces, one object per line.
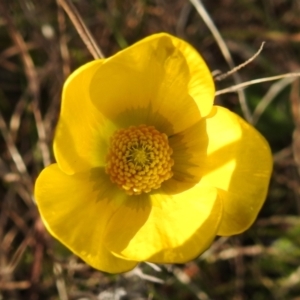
{"x":189,"y":154}
{"x":239,"y":164}
{"x":75,"y":209}
{"x":82,"y":132}
{"x":165,"y":229}
{"x":160,"y":81}
{"x":201,"y":85}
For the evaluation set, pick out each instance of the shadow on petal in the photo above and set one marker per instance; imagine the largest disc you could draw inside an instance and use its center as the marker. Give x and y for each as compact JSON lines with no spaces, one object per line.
{"x":79,"y":149}
{"x":146,"y":116}
{"x":189,"y":154}
{"x":106,"y":190}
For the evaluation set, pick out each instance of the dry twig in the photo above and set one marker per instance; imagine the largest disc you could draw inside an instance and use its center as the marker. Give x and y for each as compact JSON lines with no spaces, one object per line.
{"x":243,"y":85}
{"x":81,"y":28}
{"x":237,"y":68}
{"x":222,"y":45}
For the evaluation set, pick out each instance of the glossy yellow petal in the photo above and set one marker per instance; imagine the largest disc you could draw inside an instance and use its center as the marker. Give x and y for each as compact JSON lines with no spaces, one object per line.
{"x":82,"y":133}
{"x":201,"y":85}
{"x":158,"y":81}
{"x":189,"y":154}
{"x":75,"y":209}
{"x":239,"y":163}
{"x":165,"y":229}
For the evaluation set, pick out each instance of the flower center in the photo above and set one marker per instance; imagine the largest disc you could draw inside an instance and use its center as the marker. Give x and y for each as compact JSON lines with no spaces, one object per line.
{"x":139,"y":159}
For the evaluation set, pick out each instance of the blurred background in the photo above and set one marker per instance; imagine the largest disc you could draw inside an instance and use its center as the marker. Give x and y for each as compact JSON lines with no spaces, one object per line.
{"x":39,"y":47}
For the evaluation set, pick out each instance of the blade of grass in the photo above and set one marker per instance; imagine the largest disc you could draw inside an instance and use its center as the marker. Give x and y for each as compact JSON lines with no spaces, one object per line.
{"x":224,"y":49}
{"x":81,"y":28}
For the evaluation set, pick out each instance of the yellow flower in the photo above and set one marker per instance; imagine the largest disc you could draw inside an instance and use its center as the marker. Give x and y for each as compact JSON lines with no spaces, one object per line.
{"x":147,"y":168}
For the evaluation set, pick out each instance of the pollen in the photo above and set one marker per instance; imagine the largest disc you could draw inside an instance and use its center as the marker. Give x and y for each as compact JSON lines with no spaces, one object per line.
{"x":139,"y":159}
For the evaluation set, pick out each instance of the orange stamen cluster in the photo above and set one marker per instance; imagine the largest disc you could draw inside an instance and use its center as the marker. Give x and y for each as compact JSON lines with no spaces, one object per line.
{"x":139,"y":159}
